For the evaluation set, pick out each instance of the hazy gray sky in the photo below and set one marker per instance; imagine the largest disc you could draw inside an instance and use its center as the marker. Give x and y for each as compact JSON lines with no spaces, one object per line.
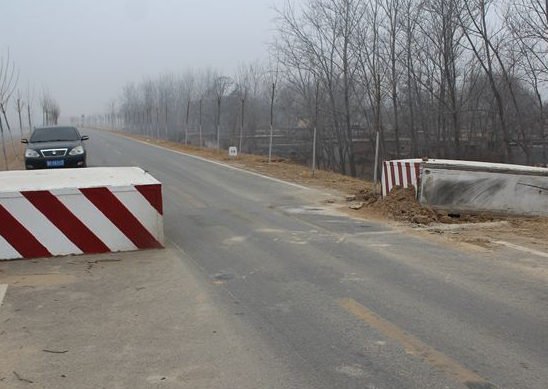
{"x":85,"y":50}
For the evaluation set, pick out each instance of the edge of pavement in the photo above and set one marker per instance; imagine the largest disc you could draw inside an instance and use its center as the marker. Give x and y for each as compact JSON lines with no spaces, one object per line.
{"x":132,"y":319}
{"x":428,"y":233}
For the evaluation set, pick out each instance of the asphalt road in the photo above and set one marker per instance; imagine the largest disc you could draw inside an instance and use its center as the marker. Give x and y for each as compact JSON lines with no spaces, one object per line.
{"x":345,"y":303}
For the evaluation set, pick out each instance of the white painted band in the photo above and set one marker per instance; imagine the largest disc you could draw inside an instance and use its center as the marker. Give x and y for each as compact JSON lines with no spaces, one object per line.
{"x":3,"y":289}
{"x":97,"y":222}
{"x":142,"y":210}
{"x":7,"y":251}
{"x":39,"y":226}
{"x":521,"y":248}
{"x":216,"y":163}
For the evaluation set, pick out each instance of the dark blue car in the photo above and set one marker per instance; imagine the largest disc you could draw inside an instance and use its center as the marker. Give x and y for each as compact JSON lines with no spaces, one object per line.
{"x":55,"y":147}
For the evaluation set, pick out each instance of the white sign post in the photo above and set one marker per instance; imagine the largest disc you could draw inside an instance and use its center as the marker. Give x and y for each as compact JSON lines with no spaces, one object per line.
{"x":232,"y":152}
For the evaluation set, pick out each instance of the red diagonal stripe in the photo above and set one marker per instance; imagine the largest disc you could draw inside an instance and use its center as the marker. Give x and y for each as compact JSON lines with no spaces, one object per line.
{"x":386,"y":178}
{"x":19,"y":237}
{"x":153,"y":194}
{"x":393,"y":174}
{"x":418,"y":173}
{"x":121,"y":217}
{"x":400,"y":172}
{"x":72,"y":227}
{"x":408,"y":171}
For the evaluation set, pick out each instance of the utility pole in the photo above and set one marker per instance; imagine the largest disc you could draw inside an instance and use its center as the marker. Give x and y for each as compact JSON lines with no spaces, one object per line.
{"x":201,"y":139}
{"x":157,"y":123}
{"x":314,"y":154}
{"x":271,"y":123}
{"x":315,"y":130}
{"x":30,"y":120}
{"x":375,"y":174}
{"x":219,"y":101}
{"x":19,"y":109}
{"x":241,"y":127}
{"x":166,"y":123}
{"x":186,"y":121}
{"x":149,"y":121}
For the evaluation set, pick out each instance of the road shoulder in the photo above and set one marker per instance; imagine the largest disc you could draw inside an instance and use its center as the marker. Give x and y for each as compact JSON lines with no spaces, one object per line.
{"x":508,"y":237}
{"x":126,"y":320}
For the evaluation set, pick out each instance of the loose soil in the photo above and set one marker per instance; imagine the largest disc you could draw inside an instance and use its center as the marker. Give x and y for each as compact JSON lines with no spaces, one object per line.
{"x":401,"y":205}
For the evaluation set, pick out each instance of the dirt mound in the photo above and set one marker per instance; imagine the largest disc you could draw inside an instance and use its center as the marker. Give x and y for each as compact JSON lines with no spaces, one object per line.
{"x":401,"y":204}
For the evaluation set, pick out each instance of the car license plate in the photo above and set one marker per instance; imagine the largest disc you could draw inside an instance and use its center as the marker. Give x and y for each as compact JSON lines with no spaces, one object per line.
{"x":55,"y":163}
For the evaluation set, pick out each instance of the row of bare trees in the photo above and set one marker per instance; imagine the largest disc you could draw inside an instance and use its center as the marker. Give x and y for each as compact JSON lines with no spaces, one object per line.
{"x":439,"y":78}
{"x":203,"y":108}
{"x":22,"y":103}
{"x":444,"y":78}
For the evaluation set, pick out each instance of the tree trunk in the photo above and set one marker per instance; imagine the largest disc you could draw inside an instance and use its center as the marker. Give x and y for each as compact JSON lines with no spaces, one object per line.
{"x":4,"y":145}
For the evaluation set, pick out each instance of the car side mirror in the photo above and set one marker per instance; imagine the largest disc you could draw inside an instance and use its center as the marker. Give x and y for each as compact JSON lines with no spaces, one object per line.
{"x":85,"y":137}
{"x":25,"y":141}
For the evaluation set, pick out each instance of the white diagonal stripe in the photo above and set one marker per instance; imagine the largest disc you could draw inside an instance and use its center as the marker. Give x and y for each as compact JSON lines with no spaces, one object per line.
{"x":523,"y":249}
{"x":413,"y":175}
{"x":139,"y":206}
{"x":389,"y":178}
{"x":405,"y":178}
{"x":95,"y":220}
{"x":383,"y":180}
{"x":7,"y":251}
{"x":397,"y":174}
{"x":39,"y":226}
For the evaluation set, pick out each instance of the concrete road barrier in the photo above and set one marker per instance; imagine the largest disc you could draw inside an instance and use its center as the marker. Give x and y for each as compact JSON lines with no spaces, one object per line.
{"x":405,"y":173}
{"x":471,"y":187}
{"x":79,"y":211}
{"x":464,"y":186}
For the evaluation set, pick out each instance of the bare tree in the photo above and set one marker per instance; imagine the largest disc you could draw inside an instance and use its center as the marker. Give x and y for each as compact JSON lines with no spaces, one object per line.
{"x":445,"y":78}
{"x":527,"y":22}
{"x":410,"y":24}
{"x":221,"y":86}
{"x":30,"y":103}
{"x":373,"y":69}
{"x":50,"y":108}
{"x":475,"y":27}
{"x":9,"y":78}
{"x":19,"y":106}
{"x":111,"y":114}
{"x":247,"y":82}
{"x":392,"y":10}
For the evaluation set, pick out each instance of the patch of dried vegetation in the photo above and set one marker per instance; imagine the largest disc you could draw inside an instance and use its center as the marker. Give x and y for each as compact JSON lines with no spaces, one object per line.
{"x":15,"y":155}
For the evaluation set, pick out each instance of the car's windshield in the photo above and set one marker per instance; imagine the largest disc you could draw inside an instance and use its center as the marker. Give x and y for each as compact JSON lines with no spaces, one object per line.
{"x":54,"y":134}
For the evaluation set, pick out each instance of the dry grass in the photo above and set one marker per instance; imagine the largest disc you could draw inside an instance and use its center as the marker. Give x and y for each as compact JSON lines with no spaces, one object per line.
{"x":279,"y":167}
{"x":15,"y":152}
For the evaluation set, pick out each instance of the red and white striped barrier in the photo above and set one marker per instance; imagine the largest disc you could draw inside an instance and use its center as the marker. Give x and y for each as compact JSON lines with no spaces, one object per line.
{"x":405,"y":173}
{"x":79,"y":211}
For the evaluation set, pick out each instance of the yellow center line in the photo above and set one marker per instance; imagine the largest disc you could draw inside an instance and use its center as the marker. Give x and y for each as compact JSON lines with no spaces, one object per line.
{"x":415,"y":346}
